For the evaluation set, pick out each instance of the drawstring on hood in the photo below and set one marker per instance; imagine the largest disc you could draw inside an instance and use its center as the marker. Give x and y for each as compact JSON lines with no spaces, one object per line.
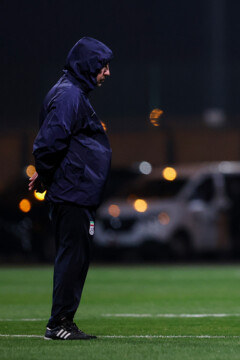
{"x":84,"y":61}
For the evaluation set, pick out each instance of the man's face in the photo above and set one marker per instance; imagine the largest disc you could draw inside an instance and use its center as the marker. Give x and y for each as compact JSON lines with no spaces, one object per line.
{"x":102,"y":75}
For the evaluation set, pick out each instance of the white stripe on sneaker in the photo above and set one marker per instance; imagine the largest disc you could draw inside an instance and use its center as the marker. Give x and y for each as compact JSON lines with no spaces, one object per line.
{"x":63,"y":334}
{"x":68,"y":334}
{"x":59,"y":333}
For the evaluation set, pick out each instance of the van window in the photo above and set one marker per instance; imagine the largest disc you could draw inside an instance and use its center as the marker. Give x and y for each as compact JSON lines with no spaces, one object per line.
{"x":232,"y":187}
{"x":154,"y":188}
{"x":204,"y":191}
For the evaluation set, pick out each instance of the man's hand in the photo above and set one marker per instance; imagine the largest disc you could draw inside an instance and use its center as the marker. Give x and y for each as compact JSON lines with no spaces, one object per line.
{"x":34,"y":183}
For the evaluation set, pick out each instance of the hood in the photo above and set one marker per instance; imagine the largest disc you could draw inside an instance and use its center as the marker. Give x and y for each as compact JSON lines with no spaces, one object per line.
{"x":86,"y":59}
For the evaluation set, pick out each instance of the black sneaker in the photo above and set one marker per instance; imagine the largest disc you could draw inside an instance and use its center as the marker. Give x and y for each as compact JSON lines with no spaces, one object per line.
{"x":67,"y":331}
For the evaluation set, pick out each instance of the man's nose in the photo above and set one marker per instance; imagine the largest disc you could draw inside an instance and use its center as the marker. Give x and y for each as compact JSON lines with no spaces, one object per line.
{"x":107,"y":72}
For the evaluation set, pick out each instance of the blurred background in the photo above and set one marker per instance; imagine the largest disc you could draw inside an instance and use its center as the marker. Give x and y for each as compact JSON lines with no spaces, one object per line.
{"x":170,"y":110}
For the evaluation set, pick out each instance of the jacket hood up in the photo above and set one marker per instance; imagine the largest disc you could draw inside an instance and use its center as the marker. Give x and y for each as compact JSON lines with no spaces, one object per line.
{"x":84,"y":61}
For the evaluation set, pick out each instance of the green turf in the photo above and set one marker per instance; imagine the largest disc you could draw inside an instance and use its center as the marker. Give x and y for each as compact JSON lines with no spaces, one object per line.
{"x":25,"y":293}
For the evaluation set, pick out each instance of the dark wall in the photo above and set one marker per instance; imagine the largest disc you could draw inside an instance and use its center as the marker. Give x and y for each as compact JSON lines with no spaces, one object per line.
{"x":165,"y":53}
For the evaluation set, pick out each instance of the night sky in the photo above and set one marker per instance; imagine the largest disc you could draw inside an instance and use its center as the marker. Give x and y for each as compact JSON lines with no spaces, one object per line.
{"x":164,"y":51}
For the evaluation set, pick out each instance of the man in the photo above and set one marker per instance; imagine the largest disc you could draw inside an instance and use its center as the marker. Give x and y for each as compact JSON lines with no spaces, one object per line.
{"x":72,"y":156}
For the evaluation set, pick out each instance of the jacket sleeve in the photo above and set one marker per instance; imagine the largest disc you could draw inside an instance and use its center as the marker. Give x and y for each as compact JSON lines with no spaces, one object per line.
{"x":51,"y":143}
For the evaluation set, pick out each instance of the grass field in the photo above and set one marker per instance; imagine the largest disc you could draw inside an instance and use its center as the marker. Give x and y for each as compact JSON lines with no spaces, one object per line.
{"x":183,"y":312}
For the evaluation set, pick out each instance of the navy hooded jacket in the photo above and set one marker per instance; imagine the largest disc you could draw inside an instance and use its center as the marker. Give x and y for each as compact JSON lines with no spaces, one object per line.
{"x":72,"y":152}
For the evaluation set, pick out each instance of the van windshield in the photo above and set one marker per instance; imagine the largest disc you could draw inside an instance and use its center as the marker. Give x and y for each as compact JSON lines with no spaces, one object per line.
{"x":157,"y":188}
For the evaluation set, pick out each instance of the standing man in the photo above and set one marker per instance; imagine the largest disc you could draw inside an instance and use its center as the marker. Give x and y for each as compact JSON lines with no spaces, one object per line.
{"x":72,"y":157}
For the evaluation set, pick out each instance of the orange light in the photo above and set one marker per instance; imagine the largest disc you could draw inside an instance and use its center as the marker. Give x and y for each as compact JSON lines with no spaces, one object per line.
{"x":104,"y":126}
{"x":169,"y":173}
{"x":114,"y":210}
{"x":140,"y":205}
{"x":40,"y":196}
{"x":25,"y":205}
{"x":155,"y":123}
{"x":164,"y":218}
{"x":155,"y":116}
{"x":30,"y":170}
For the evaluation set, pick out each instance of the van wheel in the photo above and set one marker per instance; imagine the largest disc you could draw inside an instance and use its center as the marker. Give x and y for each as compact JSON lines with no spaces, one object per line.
{"x":180,"y":245}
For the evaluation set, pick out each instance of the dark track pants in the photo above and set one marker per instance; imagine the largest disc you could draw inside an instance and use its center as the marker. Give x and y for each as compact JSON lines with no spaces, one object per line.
{"x":73,"y":247}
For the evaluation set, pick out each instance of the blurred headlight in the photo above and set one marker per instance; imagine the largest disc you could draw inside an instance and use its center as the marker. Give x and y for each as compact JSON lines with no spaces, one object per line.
{"x":140,"y":205}
{"x":169,"y":173}
{"x":114,"y":210}
{"x":164,"y":218}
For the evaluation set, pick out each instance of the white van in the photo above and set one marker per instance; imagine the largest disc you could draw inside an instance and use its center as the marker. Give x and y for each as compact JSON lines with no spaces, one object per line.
{"x":195,"y":210}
